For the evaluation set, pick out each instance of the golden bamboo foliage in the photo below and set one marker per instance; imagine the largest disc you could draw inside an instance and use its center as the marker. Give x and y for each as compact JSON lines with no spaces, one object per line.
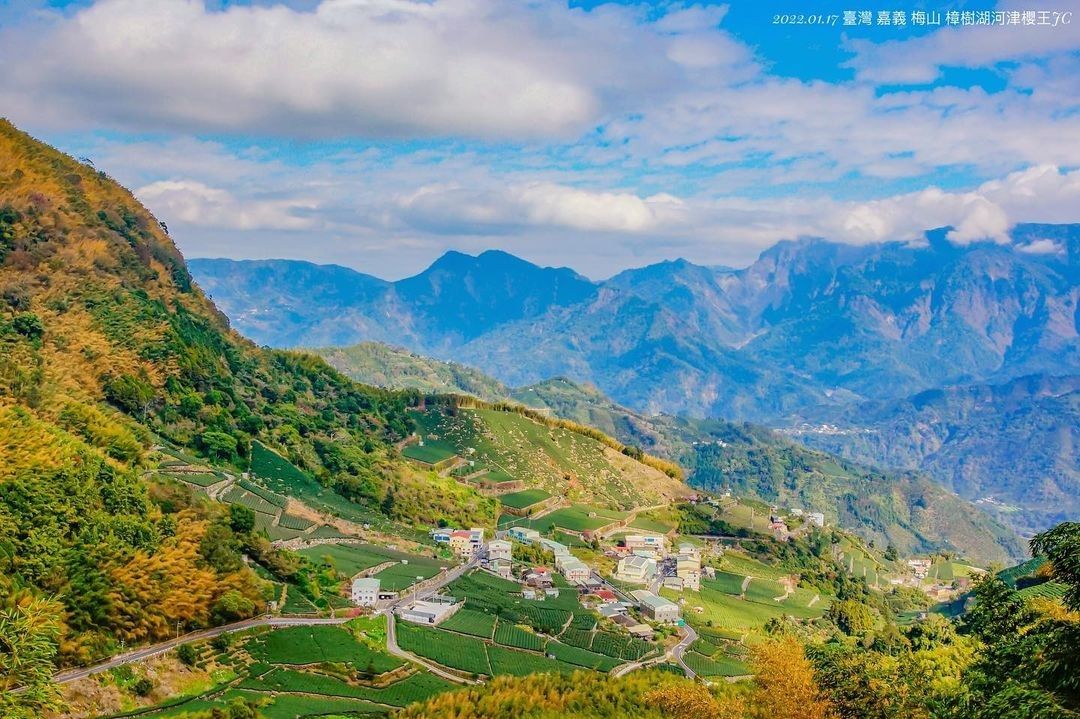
{"x":786,"y":687}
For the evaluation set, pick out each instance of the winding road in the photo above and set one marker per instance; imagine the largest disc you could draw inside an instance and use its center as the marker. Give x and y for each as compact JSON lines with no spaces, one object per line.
{"x":143,"y":653}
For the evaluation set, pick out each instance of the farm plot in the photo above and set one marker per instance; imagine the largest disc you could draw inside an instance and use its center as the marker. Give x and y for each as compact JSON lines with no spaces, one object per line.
{"x":726,"y":582}
{"x":525,"y":498}
{"x":516,"y":663}
{"x":1047,"y":590}
{"x":430,"y":452}
{"x":288,"y":521}
{"x":238,"y":495}
{"x":402,"y":576}
{"x":575,"y":519}
{"x":581,"y":657}
{"x":468,"y":621}
{"x":415,"y":687}
{"x":316,"y":644}
{"x":620,"y":646}
{"x":450,"y":650}
{"x":262,"y":493}
{"x":764,"y":591}
{"x":199,"y":479}
{"x":511,"y":635}
{"x":721,"y":666}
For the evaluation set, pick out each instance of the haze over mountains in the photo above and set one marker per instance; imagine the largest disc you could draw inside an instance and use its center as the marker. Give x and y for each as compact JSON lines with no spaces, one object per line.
{"x":813,"y":332}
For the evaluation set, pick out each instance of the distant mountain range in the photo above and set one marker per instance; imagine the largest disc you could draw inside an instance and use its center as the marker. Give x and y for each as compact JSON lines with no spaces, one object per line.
{"x":809,"y":326}
{"x":812,"y":333}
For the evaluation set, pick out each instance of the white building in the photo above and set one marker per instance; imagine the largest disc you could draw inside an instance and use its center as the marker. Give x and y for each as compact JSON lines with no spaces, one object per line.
{"x":648,"y":544}
{"x":521,"y":534}
{"x":637,"y":570}
{"x":430,"y":611}
{"x":816,"y":518}
{"x":575,"y":570}
{"x":365,"y":591}
{"x":656,"y":608}
{"x":556,"y":548}
{"x":499,"y":549}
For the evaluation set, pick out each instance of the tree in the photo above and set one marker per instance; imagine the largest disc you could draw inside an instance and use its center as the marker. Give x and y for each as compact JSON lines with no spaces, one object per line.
{"x":785,"y":683}
{"x":29,"y":636}
{"x":219,"y":445}
{"x":241,"y":518}
{"x":851,"y":617}
{"x":891,"y":554}
{"x":1061,"y":545}
{"x":186,"y":654}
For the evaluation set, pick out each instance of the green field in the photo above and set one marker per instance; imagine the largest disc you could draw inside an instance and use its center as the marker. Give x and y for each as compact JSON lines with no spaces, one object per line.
{"x":238,"y":495}
{"x":581,"y":657}
{"x":518,"y":663}
{"x":350,"y":559}
{"x":511,"y":635}
{"x":413,"y":688}
{"x":468,"y":621}
{"x":575,"y":518}
{"x":651,"y":525}
{"x":450,"y":650}
{"x":523,"y":499}
{"x":726,"y":582}
{"x":720,"y":666}
{"x":431,"y":452}
{"x":320,"y":643}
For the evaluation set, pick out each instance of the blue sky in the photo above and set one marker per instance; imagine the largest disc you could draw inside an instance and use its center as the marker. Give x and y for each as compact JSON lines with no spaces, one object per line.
{"x":380,"y":133}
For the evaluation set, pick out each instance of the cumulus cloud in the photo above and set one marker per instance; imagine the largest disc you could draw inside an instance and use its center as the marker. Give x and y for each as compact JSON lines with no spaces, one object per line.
{"x":194,"y":203}
{"x":381,"y":68}
{"x":453,"y":209}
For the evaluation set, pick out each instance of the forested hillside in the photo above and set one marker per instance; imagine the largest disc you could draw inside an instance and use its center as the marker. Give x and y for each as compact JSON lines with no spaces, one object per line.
{"x":106,"y":349}
{"x":905,"y":509}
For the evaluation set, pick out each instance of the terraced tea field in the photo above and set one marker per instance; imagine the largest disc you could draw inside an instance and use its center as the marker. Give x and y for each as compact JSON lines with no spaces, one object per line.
{"x":556,"y":460}
{"x":525,"y":498}
{"x":314,"y":671}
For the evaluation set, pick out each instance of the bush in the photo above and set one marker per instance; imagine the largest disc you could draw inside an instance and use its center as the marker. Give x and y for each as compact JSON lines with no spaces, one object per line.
{"x":186,"y":654}
{"x":143,"y":687}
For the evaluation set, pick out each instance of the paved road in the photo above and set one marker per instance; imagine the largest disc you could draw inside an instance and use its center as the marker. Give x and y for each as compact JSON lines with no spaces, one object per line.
{"x":391,"y":622}
{"x":143,"y":653}
{"x":136,"y":655}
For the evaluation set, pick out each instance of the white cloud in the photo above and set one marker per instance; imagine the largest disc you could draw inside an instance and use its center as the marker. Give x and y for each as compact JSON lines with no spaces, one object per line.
{"x":383,"y":68}
{"x":919,"y":59}
{"x":194,"y":203}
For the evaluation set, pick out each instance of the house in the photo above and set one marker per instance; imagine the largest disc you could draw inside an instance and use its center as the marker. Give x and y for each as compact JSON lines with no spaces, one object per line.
{"x":554,"y":547}
{"x":498,"y":549}
{"x":461,"y":543}
{"x":502,"y":567}
{"x":648,"y":544}
{"x":637,"y":570}
{"x":675,"y":583}
{"x":465,"y":543}
{"x":526,"y":536}
{"x":688,"y":567}
{"x":920,"y":567}
{"x":641,"y":631}
{"x":656,"y":608}
{"x":606,"y":595}
{"x":365,"y":591}
{"x":816,"y":518}
{"x":574,"y":569}
{"x":795,"y":512}
{"x":610,"y":611}
{"x":441,"y":536}
{"x":430,"y":611}
{"x":539,"y":577}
